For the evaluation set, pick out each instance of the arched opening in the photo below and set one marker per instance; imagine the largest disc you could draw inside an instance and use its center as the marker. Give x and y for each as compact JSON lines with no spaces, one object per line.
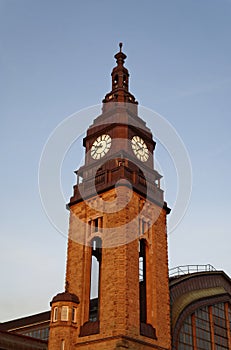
{"x":94,"y":291}
{"x":96,"y":255}
{"x":142,"y":280}
{"x":125,"y":82}
{"x":115,"y":81}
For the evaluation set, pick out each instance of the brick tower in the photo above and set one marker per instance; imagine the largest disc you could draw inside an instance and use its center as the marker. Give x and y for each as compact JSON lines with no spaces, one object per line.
{"x":117,"y":294}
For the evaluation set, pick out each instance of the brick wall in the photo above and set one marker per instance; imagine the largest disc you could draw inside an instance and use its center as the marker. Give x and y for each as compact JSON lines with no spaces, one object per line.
{"x":119,"y":284}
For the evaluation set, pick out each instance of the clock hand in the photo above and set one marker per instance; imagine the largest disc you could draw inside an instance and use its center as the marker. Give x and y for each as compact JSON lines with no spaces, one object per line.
{"x":139,"y":148}
{"x":98,"y":146}
{"x":95,"y":149}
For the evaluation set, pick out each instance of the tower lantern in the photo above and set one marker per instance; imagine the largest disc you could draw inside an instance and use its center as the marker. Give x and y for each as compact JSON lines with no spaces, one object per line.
{"x":120,"y":82}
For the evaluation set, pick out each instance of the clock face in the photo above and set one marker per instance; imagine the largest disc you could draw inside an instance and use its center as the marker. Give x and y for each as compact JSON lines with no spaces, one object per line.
{"x":140,"y":148}
{"x":100,"y":146}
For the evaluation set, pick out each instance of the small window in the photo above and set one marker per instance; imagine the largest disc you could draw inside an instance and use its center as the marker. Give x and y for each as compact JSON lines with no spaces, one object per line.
{"x":55,"y":314}
{"x":143,"y":225}
{"x":96,"y":225}
{"x":73,"y":317}
{"x":64,"y":313}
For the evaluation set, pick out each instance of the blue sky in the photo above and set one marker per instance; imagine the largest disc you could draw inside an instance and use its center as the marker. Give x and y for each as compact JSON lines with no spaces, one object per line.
{"x":56,"y":58}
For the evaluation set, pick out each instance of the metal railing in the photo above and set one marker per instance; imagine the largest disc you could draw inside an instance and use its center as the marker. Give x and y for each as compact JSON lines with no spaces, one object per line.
{"x":188,"y":269}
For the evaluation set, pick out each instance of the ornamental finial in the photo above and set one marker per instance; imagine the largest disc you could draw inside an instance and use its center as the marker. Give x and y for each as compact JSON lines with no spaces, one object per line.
{"x":120,"y":45}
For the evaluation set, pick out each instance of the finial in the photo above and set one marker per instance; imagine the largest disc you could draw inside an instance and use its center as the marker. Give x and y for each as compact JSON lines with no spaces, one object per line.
{"x":120,"y":56}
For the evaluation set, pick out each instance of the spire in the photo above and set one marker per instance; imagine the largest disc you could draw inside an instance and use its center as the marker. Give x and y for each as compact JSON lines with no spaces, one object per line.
{"x":120,"y":81}
{"x":120,"y":57}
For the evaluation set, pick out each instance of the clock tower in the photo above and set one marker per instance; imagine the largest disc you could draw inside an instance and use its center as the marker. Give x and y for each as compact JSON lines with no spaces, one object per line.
{"x":117,"y":294}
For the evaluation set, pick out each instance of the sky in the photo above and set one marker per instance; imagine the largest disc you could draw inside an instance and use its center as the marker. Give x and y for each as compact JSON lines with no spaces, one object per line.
{"x":56,"y":59}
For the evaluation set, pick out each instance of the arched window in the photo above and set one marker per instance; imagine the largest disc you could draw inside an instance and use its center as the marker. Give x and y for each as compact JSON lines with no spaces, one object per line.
{"x":142,"y":280}
{"x":115,"y":81}
{"x":125,"y":83}
{"x":96,"y":255}
{"x":207,"y":327}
